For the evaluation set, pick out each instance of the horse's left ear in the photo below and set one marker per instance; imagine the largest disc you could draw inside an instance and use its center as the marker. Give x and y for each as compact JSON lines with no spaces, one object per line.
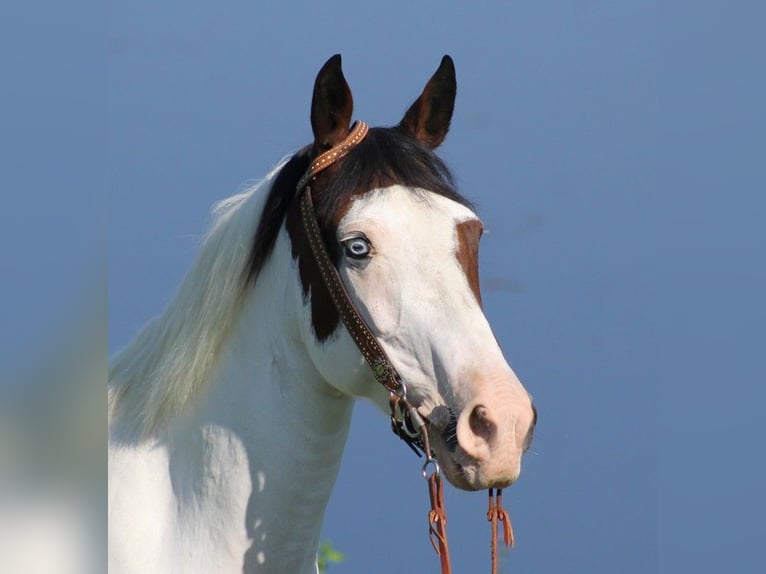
{"x":331,"y":105}
{"x":429,"y":117}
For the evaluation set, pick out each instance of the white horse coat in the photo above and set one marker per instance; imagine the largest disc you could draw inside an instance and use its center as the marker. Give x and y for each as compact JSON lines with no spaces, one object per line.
{"x":229,"y":413}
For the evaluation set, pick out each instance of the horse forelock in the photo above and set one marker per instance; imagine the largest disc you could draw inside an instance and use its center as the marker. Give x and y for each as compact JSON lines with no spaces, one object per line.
{"x":385,"y":157}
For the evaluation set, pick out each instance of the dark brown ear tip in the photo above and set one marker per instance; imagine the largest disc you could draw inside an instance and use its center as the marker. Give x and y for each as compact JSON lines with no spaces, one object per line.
{"x":333,"y":63}
{"x":447,"y":63}
{"x":330,"y":78}
{"x":445,"y":75}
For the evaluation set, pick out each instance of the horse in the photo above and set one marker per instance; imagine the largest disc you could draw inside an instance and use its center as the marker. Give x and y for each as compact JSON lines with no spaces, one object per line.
{"x":228,"y":413}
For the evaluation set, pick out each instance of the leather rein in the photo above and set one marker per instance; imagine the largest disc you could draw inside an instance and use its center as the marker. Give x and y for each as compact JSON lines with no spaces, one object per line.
{"x":406,"y":422}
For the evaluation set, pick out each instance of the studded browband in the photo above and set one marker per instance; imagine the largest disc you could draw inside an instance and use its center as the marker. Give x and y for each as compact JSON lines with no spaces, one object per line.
{"x":406,"y":422}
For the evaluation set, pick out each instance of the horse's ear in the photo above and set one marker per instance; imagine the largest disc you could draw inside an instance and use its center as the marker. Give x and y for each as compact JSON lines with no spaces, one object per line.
{"x":429,"y":117}
{"x":331,"y":105}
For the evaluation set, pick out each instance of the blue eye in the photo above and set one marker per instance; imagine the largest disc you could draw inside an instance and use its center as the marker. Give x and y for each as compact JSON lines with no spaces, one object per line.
{"x":357,"y":247}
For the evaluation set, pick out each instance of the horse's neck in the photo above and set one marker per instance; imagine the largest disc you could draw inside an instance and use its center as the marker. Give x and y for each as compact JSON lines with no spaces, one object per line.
{"x":268,"y":420}
{"x":252,"y":464}
{"x":267,"y":441}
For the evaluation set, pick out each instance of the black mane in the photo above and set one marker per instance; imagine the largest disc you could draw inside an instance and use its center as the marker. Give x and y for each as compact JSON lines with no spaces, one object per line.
{"x":385,"y":157}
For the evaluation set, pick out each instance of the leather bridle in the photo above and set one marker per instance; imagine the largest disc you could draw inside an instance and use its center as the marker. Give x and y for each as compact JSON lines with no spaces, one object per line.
{"x":406,"y":422}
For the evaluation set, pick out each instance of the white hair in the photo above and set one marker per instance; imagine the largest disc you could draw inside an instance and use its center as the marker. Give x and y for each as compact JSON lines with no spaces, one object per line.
{"x":173,"y":356}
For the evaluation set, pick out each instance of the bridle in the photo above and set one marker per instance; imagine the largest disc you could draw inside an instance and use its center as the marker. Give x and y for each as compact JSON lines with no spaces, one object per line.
{"x":406,"y":422}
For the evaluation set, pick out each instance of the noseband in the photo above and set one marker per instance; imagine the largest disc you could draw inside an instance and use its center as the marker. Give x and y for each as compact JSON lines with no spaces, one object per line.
{"x":406,"y":422}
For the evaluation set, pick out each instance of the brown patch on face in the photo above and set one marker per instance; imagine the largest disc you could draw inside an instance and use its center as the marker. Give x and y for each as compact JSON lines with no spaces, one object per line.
{"x":467,"y":253}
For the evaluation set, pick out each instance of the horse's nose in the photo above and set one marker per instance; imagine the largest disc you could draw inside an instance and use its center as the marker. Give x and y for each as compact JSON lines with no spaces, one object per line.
{"x":477,"y":431}
{"x":486,"y":430}
{"x":481,"y":424}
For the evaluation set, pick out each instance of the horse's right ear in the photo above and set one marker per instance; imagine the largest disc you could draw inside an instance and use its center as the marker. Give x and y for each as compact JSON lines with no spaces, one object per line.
{"x":429,"y":117}
{"x":331,"y":105}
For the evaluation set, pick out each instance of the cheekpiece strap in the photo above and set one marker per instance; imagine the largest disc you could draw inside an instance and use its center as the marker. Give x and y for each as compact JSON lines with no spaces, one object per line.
{"x":382,"y":369}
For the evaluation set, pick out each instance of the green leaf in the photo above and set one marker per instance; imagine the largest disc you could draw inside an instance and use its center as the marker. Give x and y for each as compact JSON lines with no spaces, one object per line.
{"x":327,"y":555}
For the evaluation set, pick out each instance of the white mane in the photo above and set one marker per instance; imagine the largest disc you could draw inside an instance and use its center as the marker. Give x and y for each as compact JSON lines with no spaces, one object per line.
{"x":173,"y":356}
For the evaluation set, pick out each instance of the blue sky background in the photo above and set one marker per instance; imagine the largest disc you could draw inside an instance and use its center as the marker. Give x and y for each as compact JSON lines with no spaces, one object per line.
{"x":615,"y":151}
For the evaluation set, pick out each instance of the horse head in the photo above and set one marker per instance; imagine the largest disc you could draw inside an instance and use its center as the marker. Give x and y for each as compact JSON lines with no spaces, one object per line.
{"x":405,"y":245}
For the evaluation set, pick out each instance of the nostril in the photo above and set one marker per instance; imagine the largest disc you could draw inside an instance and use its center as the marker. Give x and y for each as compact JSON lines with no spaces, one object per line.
{"x":480,"y":423}
{"x":478,"y":431}
{"x":531,"y":431}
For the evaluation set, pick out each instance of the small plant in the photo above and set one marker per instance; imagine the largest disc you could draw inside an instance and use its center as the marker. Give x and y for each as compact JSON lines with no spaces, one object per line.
{"x":327,"y":555}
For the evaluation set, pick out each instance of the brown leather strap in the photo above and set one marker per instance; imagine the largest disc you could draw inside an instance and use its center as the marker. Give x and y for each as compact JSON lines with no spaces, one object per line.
{"x":325,"y":160}
{"x":496,"y":513}
{"x":402,"y":411}
{"x":364,"y":338}
{"x":437,"y":522}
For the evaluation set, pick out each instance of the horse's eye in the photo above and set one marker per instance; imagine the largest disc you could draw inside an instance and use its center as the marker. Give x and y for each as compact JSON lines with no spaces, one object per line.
{"x":357,"y":247}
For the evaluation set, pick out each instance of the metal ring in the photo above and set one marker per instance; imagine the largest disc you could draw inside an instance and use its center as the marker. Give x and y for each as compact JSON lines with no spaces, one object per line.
{"x":410,"y":427}
{"x":436,"y":470}
{"x":406,"y":429}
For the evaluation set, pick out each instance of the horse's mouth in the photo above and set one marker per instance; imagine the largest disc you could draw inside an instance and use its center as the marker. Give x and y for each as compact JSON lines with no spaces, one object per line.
{"x":458,"y":467}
